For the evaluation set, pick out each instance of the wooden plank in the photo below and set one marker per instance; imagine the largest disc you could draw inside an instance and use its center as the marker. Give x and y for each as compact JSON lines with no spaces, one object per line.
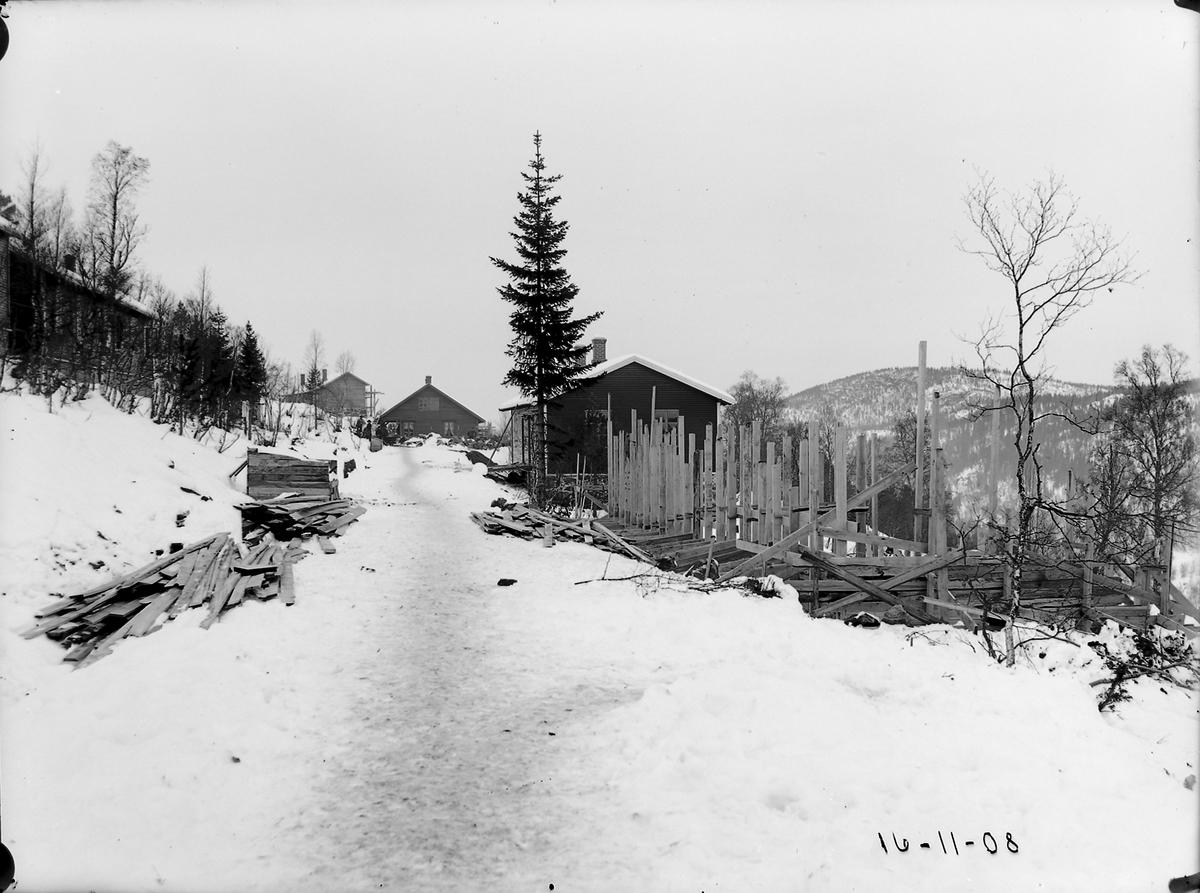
{"x":341,"y":520}
{"x":239,"y":590}
{"x":919,"y":482}
{"x":626,"y":546}
{"x":858,"y":582}
{"x":793,"y":538}
{"x":847,"y":531}
{"x":899,"y":580}
{"x":111,"y":590}
{"x":217,"y":571}
{"x":149,"y":613}
{"x":287,"y":586}
{"x":888,"y":562}
{"x":104,"y":646}
{"x":326,"y":546}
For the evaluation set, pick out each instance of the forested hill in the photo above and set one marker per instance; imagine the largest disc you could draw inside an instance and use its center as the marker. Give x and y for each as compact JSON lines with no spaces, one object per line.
{"x":872,"y":401}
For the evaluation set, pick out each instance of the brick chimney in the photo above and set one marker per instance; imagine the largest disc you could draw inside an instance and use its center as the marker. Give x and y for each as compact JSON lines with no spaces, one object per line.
{"x":599,"y":350}
{"x":428,"y":379}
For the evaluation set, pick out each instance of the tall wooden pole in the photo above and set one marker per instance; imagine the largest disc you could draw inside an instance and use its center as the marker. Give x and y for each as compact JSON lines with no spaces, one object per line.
{"x":860,"y":484}
{"x":934,"y":446}
{"x":608,"y":441}
{"x":919,"y":488}
{"x":876,"y":550}
{"x":839,"y":486}
{"x":994,"y":481}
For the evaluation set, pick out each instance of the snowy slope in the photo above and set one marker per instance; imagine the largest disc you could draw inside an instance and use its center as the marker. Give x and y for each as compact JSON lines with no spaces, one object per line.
{"x":409,"y":725}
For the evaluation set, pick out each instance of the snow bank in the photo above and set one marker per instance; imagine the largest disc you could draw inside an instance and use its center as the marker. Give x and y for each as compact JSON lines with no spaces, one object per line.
{"x":703,"y":740}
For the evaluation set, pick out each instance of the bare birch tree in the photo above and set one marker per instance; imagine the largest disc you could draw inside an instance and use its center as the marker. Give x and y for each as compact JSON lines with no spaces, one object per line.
{"x":1054,"y":262}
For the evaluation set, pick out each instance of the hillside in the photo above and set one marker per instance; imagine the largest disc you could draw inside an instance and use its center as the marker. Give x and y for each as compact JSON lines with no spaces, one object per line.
{"x":872,"y":401}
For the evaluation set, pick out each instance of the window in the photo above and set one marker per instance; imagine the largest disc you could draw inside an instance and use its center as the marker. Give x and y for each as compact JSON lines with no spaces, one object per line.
{"x":669,"y":418}
{"x":390,"y":428}
{"x":427,"y":404}
{"x":408,"y":429}
{"x":448,"y":429}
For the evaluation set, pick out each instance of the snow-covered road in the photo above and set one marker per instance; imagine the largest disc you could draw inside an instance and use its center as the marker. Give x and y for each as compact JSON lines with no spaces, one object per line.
{"x":457,"y":707}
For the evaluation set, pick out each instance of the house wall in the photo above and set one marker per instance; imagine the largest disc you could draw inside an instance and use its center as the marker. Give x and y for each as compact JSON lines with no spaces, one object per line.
{"x":348,"y":395}
{"x":426,"y":421}
{"x":630,"y":388}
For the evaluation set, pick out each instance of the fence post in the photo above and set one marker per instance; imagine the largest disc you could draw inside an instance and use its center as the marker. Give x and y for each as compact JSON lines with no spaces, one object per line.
{"x":816,"y":485}
{"x":1085,"y":602}
{"x":839,"y":487}
{"x":876,"y":549}
{"x":994,"y":483}
{"x":860,"y":483}
{"x":919,"y":480}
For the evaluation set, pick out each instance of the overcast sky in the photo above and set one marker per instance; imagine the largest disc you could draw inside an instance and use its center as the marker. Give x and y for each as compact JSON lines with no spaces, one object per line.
{"x":766,"y":186}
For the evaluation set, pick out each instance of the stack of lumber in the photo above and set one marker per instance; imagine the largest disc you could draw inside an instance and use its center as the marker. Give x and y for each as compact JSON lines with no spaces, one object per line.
{"x":508,"y":474}
{"x":272,"y":474}
{"x":524,"y":521}
{"x":289,"y":517}
{"x":216,"y":571}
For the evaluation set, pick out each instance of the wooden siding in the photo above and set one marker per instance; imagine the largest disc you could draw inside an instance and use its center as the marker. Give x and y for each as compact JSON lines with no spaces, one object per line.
{"x":630,"y":388}
{"x":430,"y":421}
{"x":346,"y":392}
{"x":270,"y":474}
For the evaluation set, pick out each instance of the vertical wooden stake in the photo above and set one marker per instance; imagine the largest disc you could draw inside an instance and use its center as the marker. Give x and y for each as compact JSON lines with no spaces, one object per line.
{"x":816,"y":484}
{"x":875,"y":550}
{"x":1086,"y":600}
{"x":839,"y":487}
{"x":611,"y":457}
{"x":919,"y":480}
{"x":934,"y":446}
{"x":994,"y":539}
{"x":860,"y":484}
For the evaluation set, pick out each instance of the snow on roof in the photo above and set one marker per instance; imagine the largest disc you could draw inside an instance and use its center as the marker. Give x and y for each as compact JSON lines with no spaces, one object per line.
{"x":620,"y":362}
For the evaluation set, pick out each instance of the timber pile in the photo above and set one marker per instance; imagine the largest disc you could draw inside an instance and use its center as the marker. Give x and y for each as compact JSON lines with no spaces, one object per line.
{"x":289,"y":517}
{"x":216,"y":571}
{"x":273,"y":474}
{"x":523,"y":521}
{"x":513,"y":475}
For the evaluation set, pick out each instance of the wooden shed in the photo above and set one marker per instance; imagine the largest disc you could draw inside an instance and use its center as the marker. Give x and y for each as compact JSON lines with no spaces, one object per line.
{"x":428,"y":410}
{"x":623,"y":385}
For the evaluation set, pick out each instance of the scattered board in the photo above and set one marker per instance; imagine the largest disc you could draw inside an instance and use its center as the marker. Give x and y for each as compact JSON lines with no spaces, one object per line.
{"x":215,"y":571}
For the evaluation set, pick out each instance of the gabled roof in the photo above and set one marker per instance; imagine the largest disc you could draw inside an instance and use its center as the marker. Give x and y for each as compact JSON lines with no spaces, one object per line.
{"x":440,"y":393}
{"x":73,"y":279}
{"x":333,"y":381}
{"x":613,"y":365}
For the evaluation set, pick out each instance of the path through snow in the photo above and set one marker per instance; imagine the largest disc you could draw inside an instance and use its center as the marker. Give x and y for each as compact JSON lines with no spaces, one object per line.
{"x":455,"y":762}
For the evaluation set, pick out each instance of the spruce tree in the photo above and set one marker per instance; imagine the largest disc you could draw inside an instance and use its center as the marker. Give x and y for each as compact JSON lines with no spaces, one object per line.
{"x":545,"y":349}
{"x":250,"y":372}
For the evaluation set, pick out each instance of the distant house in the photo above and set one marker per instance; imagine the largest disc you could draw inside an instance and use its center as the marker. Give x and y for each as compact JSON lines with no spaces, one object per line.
{"x":578,"y":424}
{"x":428,"y":410}
{"x":346,"y":395}
{"x":52,"y":310}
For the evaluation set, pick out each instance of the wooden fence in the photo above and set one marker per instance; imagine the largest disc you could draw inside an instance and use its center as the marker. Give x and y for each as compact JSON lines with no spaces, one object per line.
{"x":763,"y":505}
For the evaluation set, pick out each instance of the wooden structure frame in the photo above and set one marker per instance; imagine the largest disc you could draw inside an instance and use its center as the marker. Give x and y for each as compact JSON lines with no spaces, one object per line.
{"x":756,"y":507}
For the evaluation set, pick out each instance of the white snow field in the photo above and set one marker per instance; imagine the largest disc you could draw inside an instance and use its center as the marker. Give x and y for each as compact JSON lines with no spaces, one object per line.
{"x":409,"y":724}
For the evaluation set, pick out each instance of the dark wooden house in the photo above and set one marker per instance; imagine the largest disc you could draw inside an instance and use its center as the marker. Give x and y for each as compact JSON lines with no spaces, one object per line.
{"x":50,"y":310}
{"x":428,"y":410}
{"x":627,"y":384}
